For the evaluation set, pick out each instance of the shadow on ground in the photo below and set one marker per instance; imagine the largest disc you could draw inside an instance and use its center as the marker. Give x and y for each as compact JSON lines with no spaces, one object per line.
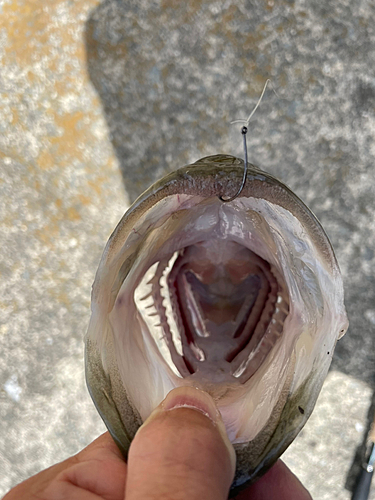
{"x":168,"y":93}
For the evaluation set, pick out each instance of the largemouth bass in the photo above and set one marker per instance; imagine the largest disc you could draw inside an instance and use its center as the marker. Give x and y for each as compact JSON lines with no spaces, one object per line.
{"x":243,"y":300}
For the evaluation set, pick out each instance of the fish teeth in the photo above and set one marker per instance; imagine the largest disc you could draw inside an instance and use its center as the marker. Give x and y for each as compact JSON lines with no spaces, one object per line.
{"x":146,"y":296}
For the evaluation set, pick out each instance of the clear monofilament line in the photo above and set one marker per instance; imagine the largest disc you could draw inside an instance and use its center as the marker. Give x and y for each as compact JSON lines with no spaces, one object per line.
{"x":246,"y":122}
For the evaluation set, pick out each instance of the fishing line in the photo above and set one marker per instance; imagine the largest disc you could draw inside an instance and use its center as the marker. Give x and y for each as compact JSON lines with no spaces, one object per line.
{"x":244,"y":132}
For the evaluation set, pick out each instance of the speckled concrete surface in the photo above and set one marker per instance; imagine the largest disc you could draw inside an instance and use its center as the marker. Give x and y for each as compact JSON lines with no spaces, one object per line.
{"x":98,"y":99}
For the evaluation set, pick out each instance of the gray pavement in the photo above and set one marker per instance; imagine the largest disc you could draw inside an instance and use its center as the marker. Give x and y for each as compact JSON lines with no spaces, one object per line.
{"x":98,"y":100}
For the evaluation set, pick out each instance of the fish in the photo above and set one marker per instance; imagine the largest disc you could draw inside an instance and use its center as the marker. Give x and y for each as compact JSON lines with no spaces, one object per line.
{"x":243,"y":299}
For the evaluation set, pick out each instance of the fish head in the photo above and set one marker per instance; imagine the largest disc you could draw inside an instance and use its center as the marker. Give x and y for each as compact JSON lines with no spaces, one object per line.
{"x":243,"y":300}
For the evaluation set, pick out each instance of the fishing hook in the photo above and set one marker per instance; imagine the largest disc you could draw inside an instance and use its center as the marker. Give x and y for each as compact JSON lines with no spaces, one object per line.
{"x":244,"y":132}
{"x":225,"y":200}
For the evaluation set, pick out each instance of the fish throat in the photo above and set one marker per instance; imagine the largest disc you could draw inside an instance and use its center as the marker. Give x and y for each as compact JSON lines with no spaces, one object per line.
{"x":215,"y":309}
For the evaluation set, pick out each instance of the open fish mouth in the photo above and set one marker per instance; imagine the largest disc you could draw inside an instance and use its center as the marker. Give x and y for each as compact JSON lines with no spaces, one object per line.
{"x":219,"y":308}
{"x":242,"y":299}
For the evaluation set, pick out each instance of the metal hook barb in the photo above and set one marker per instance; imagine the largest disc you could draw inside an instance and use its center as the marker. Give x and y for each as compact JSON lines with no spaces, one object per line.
{"x":225,"y":200}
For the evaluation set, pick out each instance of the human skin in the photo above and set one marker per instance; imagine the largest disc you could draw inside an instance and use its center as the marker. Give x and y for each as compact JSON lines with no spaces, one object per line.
{"x":180,"y":453}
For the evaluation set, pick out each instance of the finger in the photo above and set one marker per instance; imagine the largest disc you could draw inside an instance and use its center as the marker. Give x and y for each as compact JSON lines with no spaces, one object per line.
{"x":181,"y":452}
{"x":279,"y":482}
{"x":98,"y":471}
{"x":66,"y":491}
{"x":35,"y":485}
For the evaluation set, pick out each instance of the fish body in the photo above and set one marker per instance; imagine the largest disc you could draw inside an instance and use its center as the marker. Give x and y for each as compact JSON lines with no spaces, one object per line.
{"x":241,"y":299}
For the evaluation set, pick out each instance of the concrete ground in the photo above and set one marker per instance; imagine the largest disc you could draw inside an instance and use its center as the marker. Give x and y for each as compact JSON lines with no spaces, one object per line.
{"x":98,"y":100}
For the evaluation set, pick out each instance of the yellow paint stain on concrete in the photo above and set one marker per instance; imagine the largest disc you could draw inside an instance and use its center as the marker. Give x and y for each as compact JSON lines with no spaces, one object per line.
{"x":30,"y":25}
{"x":37,"y":185}
{"x":15,"y":117}
{"x":63,"y":149}
{"x":60,"y":297}
{"x":72,"y":214}
{"x":45,"y":160}
{"x":47,"y":52}
{"x":51,"y":231}
{"x":96,"y":185}
{"x":25,"y":24}
{"x":48,"y":234}
{"x":32,"y":28}
{"x":66,"y":146}
{"x":84,"y":200}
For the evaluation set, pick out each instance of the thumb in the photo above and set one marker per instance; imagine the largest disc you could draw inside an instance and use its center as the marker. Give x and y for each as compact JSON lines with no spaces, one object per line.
{"x":182,"y":451}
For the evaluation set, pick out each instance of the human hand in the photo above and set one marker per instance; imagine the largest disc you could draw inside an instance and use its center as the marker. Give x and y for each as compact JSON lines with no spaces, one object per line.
{"x":179,"y":454}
